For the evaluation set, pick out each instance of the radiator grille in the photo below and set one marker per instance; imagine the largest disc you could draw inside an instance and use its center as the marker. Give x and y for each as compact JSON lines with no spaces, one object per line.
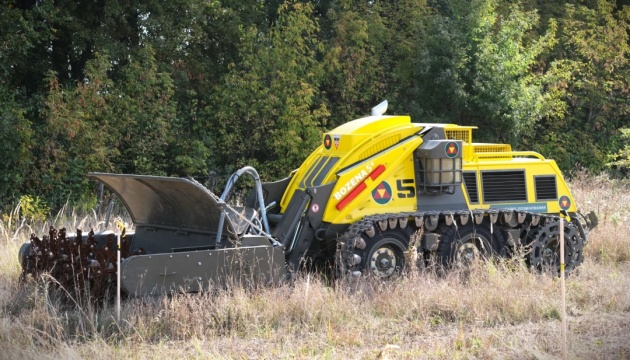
{"x":503,"y":186}
{"x":470,"y":180}
{"x":546,"y":188}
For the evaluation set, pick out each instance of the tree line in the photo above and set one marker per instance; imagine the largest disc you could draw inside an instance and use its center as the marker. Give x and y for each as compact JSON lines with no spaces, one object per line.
{"x":200,"y":88}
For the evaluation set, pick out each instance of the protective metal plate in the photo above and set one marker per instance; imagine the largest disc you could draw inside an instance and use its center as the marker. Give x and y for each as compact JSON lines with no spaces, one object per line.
{"x":166,"y":201}
{"x":202,"y":270}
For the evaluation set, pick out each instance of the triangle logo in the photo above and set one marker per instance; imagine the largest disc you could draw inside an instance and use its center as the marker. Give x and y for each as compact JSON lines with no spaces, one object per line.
{"x":382,"y":194}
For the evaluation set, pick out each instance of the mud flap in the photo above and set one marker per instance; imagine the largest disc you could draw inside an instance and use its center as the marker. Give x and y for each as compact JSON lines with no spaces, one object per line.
{"x":196,"y":271}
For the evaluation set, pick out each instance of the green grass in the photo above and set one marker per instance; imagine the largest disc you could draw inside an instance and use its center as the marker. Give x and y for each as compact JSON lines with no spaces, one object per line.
{"x":496,"y":311}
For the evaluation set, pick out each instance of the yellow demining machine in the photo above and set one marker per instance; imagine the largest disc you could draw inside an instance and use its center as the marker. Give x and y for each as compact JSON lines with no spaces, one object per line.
{"x":375,"y":187}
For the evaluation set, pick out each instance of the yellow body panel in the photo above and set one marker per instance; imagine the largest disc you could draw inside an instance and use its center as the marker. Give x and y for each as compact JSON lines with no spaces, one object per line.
{"x":349,"y":143}
{"x":533,"y":167}
{"x":396,"y":164}
{"x":371,"y":161}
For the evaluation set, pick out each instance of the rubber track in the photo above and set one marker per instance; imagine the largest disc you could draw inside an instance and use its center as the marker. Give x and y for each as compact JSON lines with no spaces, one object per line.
{"x":345,"y":244}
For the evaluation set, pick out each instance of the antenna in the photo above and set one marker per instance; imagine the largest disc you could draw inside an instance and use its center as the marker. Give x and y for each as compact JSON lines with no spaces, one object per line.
{"x":379,"y":109}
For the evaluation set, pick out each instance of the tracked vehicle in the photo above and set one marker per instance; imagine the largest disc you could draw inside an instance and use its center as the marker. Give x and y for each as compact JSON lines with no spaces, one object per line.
{"x":374,"y":188}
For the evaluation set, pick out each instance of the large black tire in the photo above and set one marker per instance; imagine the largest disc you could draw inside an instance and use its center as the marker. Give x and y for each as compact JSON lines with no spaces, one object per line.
{"x":460,"y":247}
{"x":544,"y":254}
{"x":384,"y":254}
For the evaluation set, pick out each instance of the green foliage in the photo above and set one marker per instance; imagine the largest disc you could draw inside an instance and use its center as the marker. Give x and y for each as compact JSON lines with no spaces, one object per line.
{"x":15,"y":143}
{"x":144,"y":112}
{"x":594,"y":52}
{"x":473,"y":65}
{"x":370,"y":56}
{"x":504,"y":88}
{"x":354,"y":76}
{"x":98,"y":125}
{"x":621,"y":159}
{"x":265,"y":112}
{"x":187,"y":87}
{"x":32,"y":208}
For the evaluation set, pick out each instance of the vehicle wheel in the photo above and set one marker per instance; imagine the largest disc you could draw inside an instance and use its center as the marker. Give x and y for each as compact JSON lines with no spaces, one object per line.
{"x":23,"y":253}
{"x":384,"y":254}
{"x":544,"y":252}
{"x":461,"y":247}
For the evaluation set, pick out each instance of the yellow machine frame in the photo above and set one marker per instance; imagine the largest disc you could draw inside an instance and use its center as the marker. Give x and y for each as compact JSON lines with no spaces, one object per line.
{"x":374,"y":151}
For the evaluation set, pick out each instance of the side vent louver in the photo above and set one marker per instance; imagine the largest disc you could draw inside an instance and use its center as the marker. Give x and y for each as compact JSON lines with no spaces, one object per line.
{"x":470,"y":180}
{"x":546,"y":188}
{"x":503,"y":186}
{"x":380,"y":146}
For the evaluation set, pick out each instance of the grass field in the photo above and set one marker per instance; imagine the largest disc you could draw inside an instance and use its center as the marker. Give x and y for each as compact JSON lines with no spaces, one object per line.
{"x":499,"y":310}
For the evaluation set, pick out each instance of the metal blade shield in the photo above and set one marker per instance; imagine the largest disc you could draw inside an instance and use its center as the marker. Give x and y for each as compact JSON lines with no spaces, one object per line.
{"x":194,"y":271}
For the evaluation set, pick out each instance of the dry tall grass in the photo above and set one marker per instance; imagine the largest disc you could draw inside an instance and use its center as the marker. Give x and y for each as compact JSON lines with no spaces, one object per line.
{"x":498,"y":310}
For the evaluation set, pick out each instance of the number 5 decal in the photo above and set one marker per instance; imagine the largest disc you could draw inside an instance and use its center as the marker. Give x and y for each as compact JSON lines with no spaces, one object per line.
{"x":405,"y":188}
